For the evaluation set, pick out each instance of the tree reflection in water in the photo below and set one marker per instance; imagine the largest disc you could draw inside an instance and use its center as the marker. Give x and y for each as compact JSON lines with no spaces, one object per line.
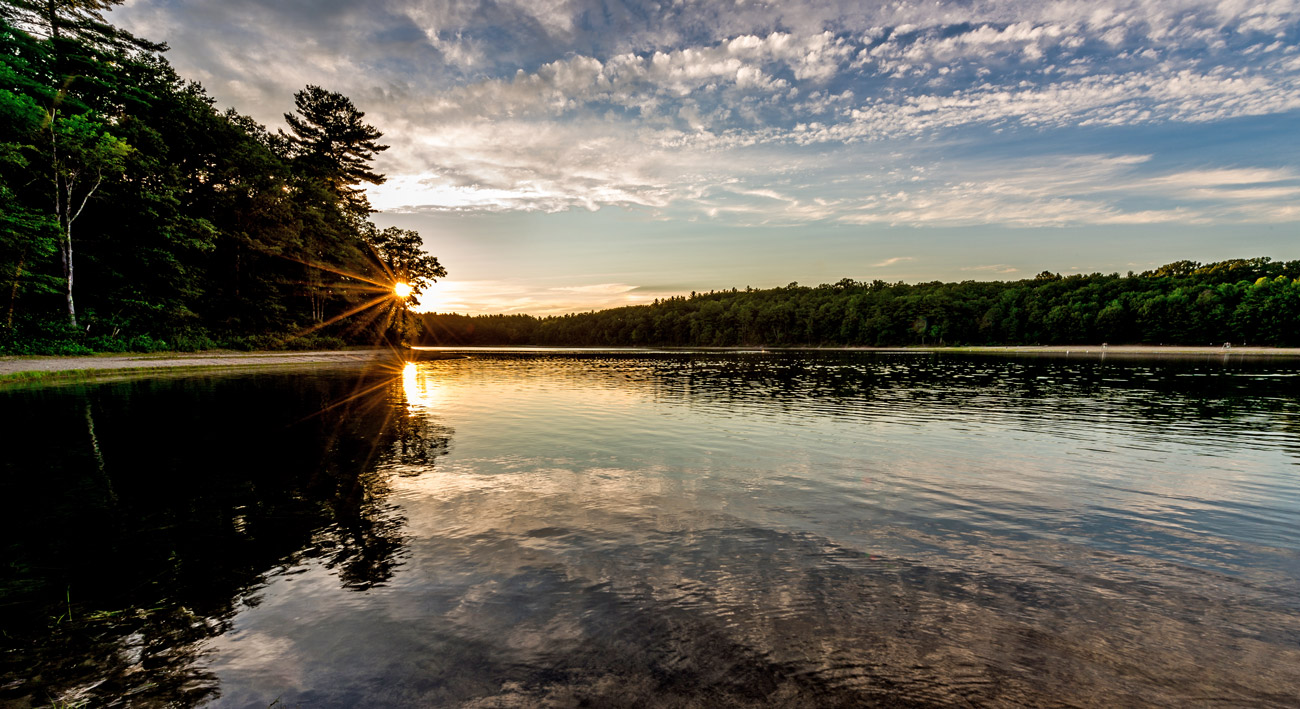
{"x":139,"y":514}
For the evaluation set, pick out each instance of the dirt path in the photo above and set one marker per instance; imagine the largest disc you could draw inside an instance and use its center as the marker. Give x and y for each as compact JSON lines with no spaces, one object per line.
{"x":19,"y":365}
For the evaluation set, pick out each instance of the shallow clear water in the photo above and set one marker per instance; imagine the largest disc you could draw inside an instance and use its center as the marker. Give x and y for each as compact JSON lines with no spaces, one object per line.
{"x":660,"y":529}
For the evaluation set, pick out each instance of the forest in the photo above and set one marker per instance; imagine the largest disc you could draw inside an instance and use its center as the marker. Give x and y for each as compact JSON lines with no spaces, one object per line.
{"x":1243,"y":301}
{"x":136,"y":216}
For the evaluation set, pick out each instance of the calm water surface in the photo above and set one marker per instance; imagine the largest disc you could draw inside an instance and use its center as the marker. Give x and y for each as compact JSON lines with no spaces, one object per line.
{"x":673,"y":529}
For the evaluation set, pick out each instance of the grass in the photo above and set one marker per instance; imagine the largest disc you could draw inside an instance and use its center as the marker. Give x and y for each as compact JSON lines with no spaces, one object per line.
{"x":83,"y":374}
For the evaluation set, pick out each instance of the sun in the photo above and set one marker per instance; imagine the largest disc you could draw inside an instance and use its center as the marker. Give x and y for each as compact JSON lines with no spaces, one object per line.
{"x":402,"y":290}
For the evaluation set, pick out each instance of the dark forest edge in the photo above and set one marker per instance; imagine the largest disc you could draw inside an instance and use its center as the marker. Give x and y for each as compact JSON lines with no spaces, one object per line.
{"x":1243,"y":301}
{"x":135,"y":216}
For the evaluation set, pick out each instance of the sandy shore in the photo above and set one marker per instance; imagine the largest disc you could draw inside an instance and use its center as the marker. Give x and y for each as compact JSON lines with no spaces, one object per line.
{"x":10,"y":366}
{"x":45,"y":365}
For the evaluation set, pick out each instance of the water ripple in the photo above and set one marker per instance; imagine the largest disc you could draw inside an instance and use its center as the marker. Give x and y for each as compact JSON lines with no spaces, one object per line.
{"x":796,"y":529}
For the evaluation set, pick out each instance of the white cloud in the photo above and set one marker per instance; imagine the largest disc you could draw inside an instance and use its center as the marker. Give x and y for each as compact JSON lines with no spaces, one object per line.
{"x":538,"y":106}
{"x":1103,"y":100}
{"x":743,"y":65}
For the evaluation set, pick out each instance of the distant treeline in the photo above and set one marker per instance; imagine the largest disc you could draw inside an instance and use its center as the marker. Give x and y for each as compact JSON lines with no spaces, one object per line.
{"x":1255,"y":301}
{"x":135,"y":215}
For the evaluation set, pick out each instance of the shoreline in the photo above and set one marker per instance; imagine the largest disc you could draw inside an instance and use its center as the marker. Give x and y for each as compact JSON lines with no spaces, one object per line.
{"x":27,"y":368}
{"x":1138,"y":350}
{"x":1099,"y":350}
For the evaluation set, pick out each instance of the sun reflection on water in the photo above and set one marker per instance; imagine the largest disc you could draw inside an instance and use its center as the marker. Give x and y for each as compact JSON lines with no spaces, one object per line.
{"x":416,"y":385}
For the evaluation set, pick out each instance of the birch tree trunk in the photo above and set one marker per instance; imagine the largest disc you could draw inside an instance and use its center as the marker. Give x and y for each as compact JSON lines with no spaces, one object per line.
{"x":65,"y":251}
{"x":13,"y":292}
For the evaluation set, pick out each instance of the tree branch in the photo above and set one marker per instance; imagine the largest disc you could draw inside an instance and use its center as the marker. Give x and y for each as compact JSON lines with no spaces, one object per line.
{"x":99,"y":178}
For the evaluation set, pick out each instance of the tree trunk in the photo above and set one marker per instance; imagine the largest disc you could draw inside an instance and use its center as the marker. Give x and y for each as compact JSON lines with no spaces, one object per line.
{"x":316,"y":295}
{"x":65,"y":250}
{"x":52,"y":15}
{"x":13,"y":292}
{"x":62,"y":207}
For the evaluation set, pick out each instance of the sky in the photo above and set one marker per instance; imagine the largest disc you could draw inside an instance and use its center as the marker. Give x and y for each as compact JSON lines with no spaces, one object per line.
{"x":569,"y":155}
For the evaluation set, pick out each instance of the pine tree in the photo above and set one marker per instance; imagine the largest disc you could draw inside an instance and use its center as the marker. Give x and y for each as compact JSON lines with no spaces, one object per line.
{"x":331,"y":143}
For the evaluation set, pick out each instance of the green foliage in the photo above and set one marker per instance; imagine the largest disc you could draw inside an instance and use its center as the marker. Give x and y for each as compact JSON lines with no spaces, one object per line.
{"x":86,"y":146}
{"x":250,"y":343}
{"x":28,"y":234}
{"x":194,"y":227}
{"x":192,"y":341}
{"x":1188,"y":304}
{"x":311,"y":342}
{"x":33,"y":336}
{"x":138,"y":343}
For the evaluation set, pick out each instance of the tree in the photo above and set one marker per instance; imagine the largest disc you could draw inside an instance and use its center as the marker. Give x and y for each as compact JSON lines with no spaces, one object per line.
{"x":243,"y":189}
{"x":82,"y":152}
{"x":331,"y":143}
{"x":330,"y":149}
{"x":83,"y":59}
{"x":73,"y":20}
{"x":185,"y":222}
{"x":26,"y":234}
{"x":401,"y":252}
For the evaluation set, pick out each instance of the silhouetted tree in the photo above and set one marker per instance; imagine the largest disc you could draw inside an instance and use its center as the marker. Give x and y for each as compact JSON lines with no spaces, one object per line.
{"x":330,"y":142}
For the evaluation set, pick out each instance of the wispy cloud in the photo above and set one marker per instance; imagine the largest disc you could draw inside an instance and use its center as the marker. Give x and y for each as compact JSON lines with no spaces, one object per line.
{"x":599,"y":289}
{"x":1223,"y":177}
{"x":892,"y":261}
{"x":493,"y":296}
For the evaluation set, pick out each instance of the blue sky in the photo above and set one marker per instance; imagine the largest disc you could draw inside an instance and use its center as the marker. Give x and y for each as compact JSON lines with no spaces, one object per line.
{"x":562,"y":155}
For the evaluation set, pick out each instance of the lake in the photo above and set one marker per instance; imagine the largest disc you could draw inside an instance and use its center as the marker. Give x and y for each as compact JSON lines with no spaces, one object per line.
{"x":783,"y":529}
